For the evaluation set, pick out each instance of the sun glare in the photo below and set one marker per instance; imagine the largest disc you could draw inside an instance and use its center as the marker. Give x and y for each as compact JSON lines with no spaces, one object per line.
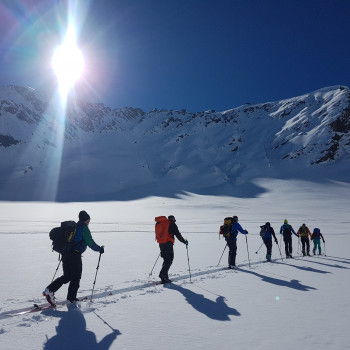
{"x":68,"y":62}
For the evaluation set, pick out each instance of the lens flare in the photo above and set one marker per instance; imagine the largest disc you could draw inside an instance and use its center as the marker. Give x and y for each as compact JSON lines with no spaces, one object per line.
{"x":68,"y":62}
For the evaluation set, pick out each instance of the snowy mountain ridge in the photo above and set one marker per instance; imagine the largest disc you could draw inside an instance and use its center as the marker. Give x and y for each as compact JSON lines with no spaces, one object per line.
{"x":97,"y":153}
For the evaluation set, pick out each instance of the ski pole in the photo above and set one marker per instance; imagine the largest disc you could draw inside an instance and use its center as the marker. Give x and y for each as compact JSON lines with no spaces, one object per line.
{"x":259,"y":248}
{"x":57,"y":268}
{"x":222,"y":255}
{"x":280,"y":251}
{"x":247,"y":248}
{"x":280,"y":242}
{"x":153,"y":266}
{"x":188,"y":260}
{"x":298,"y":245}
{"x":324,"y":246}
{"x":105,"y":322}
{"x":93,"y":286}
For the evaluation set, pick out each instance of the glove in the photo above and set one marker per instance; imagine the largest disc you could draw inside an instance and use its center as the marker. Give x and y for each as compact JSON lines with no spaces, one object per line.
{"x":186,"y":242}
{"x":102,"y":250}
{"x":246,"y":232}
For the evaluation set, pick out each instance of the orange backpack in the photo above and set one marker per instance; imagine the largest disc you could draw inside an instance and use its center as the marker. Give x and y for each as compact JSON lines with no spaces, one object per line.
{"x":162,"y":230}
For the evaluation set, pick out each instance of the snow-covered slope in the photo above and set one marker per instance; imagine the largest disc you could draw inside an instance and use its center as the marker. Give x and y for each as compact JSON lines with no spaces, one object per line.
{"x":300,"y":303}
{"x":91,"y":152}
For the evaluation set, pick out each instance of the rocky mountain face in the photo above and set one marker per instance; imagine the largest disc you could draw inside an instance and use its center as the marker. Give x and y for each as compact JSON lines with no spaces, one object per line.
{"x":88,"y":151}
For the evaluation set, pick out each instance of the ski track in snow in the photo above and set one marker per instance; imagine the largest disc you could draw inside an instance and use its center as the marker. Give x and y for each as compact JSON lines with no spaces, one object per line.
{"x":108,"y":296}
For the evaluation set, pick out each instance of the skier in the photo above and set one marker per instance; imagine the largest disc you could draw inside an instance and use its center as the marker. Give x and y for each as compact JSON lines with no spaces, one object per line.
{"x":167,"y":249}
{"x":72,"y":263}
{"x":303,"y":233}
{"x":231,"y":240}
{"x":287,"y":231}
{"x":266,"y":234}
{"x":316,"y":237}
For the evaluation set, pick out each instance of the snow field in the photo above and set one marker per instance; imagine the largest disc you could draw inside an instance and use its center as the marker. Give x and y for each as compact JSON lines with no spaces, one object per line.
{"x":289,"y":304}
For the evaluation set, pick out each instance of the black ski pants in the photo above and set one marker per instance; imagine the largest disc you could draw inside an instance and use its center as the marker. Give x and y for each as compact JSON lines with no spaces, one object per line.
{"x":72,"y":270}
{"x":305,"y":242}
{"x":268,"y":243}
{"x":232,"y":246}
{"x":288,"y":244}
{"x":167,"y":253}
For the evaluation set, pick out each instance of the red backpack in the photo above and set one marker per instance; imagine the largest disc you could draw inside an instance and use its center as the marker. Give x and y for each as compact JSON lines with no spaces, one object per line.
{"x":162,"y":230}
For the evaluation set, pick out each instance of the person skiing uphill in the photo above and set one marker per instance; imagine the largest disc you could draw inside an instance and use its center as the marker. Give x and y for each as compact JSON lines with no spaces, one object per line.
{"x":266,"y":233}
{"x":166,"y":230}
{"x":72,"y":263}
{"x":304,"y":234}
{"x":231,"y":240}
{"x":316,"y":237}
{"x":287,"y":230}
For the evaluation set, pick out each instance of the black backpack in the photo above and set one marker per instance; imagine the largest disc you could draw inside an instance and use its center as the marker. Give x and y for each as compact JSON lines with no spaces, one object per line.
{"x":226,"y":228}
{"x":62,"y":237}
{"x":287,"y":231}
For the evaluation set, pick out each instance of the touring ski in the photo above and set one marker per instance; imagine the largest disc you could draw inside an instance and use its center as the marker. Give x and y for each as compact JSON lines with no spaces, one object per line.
{"x":34,"y":308}
{"x":161,"y":282}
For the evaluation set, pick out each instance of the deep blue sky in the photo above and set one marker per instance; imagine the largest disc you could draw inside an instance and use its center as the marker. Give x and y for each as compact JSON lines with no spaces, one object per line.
{"x":192,"y":54}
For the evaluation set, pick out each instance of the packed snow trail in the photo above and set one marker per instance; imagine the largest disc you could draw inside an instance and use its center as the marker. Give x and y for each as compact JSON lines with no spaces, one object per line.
{"x":112,"y":292}
{"x":41,"y":307}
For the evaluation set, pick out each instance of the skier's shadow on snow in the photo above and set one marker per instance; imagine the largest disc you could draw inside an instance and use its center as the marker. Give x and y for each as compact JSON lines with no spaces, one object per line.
{"x":336,"y":259}
{"x":216,"y":310}
{"x":303,"y":268}
{"x":295,"y":284}
{"x":72,"y":333}
{"x":328,"y":265}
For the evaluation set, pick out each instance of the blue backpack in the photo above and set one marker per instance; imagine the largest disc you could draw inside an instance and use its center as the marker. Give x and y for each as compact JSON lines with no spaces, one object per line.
{"x":316,"y":233}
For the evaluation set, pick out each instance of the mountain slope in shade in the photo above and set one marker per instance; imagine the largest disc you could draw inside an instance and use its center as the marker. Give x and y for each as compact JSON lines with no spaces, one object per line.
{"x":91,"y":152}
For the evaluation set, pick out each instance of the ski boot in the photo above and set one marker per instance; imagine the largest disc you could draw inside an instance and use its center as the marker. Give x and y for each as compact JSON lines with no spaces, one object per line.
{"x":50,"y":296}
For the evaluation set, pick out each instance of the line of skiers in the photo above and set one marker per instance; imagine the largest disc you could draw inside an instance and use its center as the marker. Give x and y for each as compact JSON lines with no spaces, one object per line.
{"x":166,"y":230}
{"x":231,"y":228}
{"x":304,"y":233}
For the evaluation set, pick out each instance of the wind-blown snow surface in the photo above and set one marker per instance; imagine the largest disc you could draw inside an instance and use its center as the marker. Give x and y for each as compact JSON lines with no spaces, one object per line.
{"x":302,"y":303}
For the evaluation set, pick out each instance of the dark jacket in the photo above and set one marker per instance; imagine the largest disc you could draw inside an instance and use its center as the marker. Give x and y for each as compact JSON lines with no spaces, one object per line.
{"x":317,"y":235}
{"x":174,"y":231}
{"x":287,"y":230}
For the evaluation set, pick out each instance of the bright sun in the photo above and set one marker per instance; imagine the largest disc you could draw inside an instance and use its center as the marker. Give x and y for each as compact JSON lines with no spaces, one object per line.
{"x":68,"y":62}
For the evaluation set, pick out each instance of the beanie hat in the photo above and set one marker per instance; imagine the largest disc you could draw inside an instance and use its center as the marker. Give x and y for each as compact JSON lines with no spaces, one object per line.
{"x":286,"y":221}
{"x":83,"y":216}
{"x":172,"y":218}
